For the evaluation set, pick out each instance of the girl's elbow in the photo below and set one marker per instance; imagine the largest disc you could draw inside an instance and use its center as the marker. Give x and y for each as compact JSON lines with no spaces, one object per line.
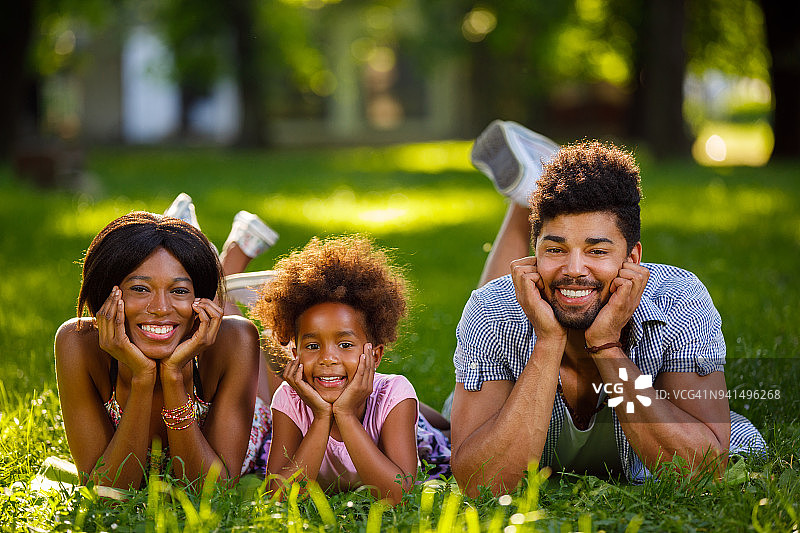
{"x":407,"y":484}
{"x":395,"y":494}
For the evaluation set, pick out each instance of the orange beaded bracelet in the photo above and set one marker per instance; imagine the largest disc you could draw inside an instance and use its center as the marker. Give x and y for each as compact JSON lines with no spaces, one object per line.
{"x":180,"y":417}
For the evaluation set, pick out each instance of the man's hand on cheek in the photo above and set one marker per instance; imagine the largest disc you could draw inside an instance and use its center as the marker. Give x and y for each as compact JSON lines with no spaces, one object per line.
{"x":529,"y":287}
{"x":626,"y":294}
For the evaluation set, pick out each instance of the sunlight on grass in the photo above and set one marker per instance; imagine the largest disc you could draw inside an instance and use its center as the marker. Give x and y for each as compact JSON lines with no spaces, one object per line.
{"x":343,"y":210}
{"x":26,"y":320}
{"x":88,"y":218}
{"x":23,"y":326}
{"x":429,"y":158}
{"x":720,"y":208}
{"x":720,"y":144}
{"x":384,"y":211}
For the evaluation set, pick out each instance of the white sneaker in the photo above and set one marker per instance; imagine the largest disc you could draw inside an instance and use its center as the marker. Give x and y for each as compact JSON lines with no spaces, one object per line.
{"x":183,"y":208}
{"x":251,"y":234}
{"x":512,"y":156}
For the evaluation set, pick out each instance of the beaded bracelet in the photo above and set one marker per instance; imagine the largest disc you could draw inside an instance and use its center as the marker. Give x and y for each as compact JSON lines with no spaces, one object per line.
{"x":180,"y":417}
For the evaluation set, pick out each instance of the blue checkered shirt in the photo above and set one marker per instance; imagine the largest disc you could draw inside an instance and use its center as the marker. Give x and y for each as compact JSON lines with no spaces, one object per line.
{"x":676,"y":328}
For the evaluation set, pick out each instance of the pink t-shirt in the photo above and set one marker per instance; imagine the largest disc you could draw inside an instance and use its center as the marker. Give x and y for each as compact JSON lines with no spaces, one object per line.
{"x":337,"y":467}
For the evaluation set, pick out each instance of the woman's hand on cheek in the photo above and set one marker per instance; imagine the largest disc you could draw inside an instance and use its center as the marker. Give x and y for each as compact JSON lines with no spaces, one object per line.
{"x":293,"y":375}
{"x":209,"y":319}
{"x":110,"y":322}
{"x":358,"y":390}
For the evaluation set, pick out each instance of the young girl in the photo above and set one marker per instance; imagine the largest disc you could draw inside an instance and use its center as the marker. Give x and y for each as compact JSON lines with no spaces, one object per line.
{"x":156,"y":358}
{"x":335,"y":419}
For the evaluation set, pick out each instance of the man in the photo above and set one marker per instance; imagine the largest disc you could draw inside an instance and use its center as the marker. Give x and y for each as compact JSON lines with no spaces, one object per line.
{"x":583,"y":357}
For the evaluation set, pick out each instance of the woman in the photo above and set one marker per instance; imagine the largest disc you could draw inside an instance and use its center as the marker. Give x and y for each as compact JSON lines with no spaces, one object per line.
{"x":157,"y":358}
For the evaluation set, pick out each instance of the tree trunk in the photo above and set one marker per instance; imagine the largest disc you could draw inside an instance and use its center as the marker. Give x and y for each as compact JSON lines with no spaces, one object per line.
{"x":783,"y":41}
{"x":249,"y":74}
{"x":17,"y":21}
{"x":657,"y":109}
{"x":189,"y":97}
{"x":480,"y":109}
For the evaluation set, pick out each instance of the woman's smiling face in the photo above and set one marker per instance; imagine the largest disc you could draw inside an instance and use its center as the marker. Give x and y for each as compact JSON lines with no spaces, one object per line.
{"x":330,"y":341}
{"x":158,"y":297}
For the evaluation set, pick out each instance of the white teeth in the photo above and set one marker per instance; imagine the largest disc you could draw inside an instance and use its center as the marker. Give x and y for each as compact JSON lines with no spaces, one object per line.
{"x":575,"y":294}
{"x":158,"y":330}
{"x":329,"y":378}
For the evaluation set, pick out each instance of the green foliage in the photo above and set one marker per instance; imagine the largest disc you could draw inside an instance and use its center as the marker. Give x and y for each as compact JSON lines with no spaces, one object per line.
{"x":728,"y":36}
{"x":199,"y":34}
{"x":737,"y":229}
{"x":60,"y":29}
{"x":595,"y":44}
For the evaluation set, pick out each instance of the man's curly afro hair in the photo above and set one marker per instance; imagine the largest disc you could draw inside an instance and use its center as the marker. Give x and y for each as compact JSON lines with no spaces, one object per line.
{"x":585,"y":177}
{"x":346,"y":269}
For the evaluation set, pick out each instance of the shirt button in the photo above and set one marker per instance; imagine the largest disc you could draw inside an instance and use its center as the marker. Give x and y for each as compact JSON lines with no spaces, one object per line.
{"x":473,"y":365}
{"x":701,"y":359}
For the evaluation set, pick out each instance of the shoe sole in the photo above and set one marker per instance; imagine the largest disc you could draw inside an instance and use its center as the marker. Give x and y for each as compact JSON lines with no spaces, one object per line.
{"x":507,"y":153}
{"x":492,"y":155}
{"x":243,"y":288}
{"x":180,"y":208}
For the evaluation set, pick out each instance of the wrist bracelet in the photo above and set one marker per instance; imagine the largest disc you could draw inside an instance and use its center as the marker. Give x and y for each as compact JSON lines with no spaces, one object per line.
{"x":595,"y":349}
{"x":180,"y":417}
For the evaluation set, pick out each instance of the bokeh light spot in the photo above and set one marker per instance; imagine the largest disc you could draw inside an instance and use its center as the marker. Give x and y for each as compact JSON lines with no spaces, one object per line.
{"x":477,"y":24}
{"x":728,"y":144}
{"x":716,"y":148}
{"x":65,"y":43}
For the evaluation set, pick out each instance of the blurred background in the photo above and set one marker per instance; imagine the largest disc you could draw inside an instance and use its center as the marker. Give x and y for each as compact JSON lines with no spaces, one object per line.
{"x":714,"y":79}
{"x":328,"y":117}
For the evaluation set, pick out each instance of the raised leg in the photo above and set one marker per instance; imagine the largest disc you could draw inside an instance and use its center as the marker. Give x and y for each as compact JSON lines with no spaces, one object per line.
{"x":512,"y":242}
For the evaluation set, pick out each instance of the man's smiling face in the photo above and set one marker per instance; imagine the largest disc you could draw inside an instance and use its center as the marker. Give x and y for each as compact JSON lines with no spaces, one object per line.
{"x":578,"y":256}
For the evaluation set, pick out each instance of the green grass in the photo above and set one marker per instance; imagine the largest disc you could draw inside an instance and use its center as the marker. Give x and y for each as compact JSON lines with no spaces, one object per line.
{"x":737,"y":229}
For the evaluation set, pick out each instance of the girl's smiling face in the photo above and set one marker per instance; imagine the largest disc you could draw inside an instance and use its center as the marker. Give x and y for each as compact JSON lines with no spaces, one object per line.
{"x":330,"y":341}
{"x":158,"y":297}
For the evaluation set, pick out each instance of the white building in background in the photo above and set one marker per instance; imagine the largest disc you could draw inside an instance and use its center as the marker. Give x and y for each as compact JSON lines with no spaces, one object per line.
{"x":151,"y":102}
{"x":124,"y":94}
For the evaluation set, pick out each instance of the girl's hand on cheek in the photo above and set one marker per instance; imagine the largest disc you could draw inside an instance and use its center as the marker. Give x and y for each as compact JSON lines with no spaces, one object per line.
{"x":110,"y":322}
{"x":293,"y":375}
{"x":358,"y":390}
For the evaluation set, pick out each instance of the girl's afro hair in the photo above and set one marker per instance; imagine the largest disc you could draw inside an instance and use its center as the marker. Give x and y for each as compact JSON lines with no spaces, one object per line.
{"x":347,"y":269}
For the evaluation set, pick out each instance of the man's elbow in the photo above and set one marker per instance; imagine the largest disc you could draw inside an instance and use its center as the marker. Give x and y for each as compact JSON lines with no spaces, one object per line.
{"x":462,"y":475}
{"x":471,"y":478}
{"x":713,"y":461}
{"x":693,"y":462}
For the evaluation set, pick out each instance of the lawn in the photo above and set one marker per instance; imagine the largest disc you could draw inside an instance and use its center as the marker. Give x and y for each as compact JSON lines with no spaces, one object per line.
{"x":737,"y":229}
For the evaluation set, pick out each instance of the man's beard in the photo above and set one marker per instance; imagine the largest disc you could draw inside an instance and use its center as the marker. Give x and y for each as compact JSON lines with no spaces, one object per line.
{"x":576,"y":319}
